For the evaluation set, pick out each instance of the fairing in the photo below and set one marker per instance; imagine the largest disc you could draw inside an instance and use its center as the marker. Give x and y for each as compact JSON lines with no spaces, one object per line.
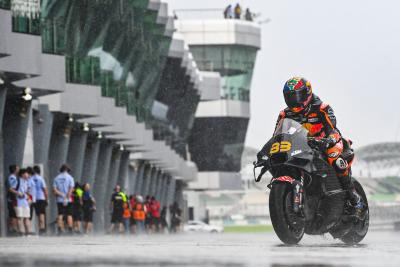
{"x":288,"y":146}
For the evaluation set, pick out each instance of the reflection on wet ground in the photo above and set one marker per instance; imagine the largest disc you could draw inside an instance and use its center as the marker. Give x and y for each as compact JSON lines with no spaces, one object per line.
{"x":6,"y":261}
{"x":378,"y":249}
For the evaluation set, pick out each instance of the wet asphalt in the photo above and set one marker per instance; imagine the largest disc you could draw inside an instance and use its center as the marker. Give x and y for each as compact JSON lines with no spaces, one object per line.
{"x":379,"y":248}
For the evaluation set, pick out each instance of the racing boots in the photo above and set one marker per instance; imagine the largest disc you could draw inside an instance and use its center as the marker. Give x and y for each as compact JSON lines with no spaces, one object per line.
{"x":355,"y":200}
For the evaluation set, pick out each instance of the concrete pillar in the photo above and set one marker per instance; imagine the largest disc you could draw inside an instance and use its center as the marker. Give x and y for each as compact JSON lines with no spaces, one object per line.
{"x":3,"y":169}
{"x":76,"y":151}
{"x":139,"y":178}
{"x":153,"y":181}
{"x":99,"y":186}
{"x":164,"y":189}
{"x":42,"y":127}
{"x":58,"y":152}
{"x":132,"y":172}
{"x":179,"y":193}
{"x":159,"y":185}
{"x":171,"y":191}
{"x":15,"y":126}
{"x":111,"y":180}
{"x":123,"y":174}
{"x":145,"y":180}
{"x":90,"y":160}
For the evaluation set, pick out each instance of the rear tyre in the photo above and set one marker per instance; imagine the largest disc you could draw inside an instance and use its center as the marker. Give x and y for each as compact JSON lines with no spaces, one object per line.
{"x":360,"y":228}
{"x":286,"y":223}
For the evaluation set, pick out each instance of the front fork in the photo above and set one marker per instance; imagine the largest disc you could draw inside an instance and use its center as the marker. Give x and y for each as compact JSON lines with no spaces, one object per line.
{"x":298,"y":197}
{"x":298,"y":190}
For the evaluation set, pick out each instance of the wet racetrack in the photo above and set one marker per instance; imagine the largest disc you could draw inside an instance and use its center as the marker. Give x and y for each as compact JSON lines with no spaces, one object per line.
{"x":264,"y":249}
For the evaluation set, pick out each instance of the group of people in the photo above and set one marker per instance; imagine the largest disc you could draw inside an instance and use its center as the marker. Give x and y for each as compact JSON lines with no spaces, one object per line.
{"x":136,"y":215}
{"x":235,"y":12}
{"x":75,"y":204}
{"x":27,"y":193}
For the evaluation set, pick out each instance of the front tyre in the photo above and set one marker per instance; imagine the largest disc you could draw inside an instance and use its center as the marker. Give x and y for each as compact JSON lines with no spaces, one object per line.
{"x":288,"y":226}
{"x":360,"y":228}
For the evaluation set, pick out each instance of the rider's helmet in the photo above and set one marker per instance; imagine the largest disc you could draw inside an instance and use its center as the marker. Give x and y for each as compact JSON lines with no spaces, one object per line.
{"x":298,"y":94}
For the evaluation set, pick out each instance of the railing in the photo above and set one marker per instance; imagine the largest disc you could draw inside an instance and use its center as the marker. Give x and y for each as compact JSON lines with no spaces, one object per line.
{"x":199,"y":13}
{"x":212,"y":13}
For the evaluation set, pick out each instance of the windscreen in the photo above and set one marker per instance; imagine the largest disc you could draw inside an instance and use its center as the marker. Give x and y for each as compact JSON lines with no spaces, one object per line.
{"x":291,"y":127}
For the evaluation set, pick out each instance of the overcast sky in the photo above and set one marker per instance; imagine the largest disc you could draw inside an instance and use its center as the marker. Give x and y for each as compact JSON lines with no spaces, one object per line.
{"x":348,"y":49}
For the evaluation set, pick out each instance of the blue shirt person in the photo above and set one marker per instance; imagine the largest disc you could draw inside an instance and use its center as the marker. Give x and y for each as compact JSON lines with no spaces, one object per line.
{"x":40,"y":186}
{"x":64,"y":183}
{"x":23,"y":190}
{"x":32,"y":188}
{"x":12,"y":182}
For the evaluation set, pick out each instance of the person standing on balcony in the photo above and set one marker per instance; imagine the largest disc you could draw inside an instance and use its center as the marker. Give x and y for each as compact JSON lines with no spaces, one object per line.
{"x":228,"y":12}
{"x":248,"y":15}
{"x":238,"y":11}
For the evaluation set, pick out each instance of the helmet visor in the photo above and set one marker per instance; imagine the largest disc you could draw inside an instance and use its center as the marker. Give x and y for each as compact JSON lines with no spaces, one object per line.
{"x":296,"y":98}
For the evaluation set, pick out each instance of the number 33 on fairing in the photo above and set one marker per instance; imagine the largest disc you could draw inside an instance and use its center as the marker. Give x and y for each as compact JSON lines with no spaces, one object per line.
{"x":280,"y":147}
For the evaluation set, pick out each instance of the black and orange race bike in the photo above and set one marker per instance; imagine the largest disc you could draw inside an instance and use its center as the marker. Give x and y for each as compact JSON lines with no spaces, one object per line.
{"x":306,"y":195}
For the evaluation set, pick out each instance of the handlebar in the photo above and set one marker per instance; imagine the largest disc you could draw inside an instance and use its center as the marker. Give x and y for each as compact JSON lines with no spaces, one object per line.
{"x":321,"y":144}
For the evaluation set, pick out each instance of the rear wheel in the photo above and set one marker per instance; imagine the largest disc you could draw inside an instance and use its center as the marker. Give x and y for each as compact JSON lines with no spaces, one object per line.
{"x":288,"y":225}
{"x":360,"y":228}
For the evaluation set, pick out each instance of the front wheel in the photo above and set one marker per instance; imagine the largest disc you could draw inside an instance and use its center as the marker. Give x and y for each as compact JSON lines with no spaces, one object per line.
{"x":360,"y":228}
{"x":288,"y":225}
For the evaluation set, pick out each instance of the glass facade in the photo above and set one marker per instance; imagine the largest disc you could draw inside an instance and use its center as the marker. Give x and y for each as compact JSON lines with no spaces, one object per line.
{"x":216,"y":144}
{"x":178,"y":94}
{"x":115,"y":44}
{"x":235,"y":63}
{"x":119,"y":46}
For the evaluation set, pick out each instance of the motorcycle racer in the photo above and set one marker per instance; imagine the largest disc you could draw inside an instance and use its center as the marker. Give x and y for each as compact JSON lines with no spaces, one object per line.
{"x":319,"y":119}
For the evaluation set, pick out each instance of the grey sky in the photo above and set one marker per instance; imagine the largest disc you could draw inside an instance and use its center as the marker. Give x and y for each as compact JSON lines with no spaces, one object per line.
{"x":348,"y":49}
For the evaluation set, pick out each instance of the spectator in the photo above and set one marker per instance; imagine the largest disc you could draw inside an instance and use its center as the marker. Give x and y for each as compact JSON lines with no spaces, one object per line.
{"x":23,"y":202}
{"x":228,"y":12}
{"x":63,"y":186}
{"x":176,"y":219}
{"x":248,"y":15}
{"x":139,"y":214}
{"x":126,"y":217}
{"x":132,"y":205}
{"x":89,"y":206}
{"x":32,"y":190}
{"x":238,"y":11}
{"x":163,"y":220}
{"x":41,"y":199}
{"x":12,"y":185}
{"x":77,"y":203}
{"x":116,"y":205}
{"x":148,"y":220}
{"x":155,"y":214}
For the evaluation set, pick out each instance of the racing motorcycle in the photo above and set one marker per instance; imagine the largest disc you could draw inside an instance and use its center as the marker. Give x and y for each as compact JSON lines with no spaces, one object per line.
{"x":306,"y":195}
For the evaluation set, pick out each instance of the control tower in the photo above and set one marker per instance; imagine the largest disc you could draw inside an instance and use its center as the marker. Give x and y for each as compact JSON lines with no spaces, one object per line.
{"x":225,"y":51}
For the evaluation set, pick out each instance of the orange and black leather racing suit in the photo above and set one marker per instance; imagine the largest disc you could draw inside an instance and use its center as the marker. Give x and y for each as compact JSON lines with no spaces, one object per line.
{"x":320,"y":121}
